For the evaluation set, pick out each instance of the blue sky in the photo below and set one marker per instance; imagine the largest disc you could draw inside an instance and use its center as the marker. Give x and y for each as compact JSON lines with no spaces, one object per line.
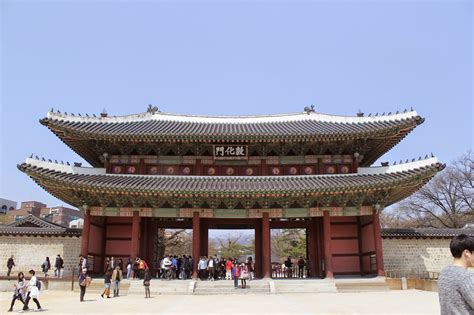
{"x":232,"y":57}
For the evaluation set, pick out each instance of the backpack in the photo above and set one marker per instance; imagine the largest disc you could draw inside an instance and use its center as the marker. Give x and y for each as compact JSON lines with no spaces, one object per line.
{"x":38,"y":285}
{"x":61,"y":263}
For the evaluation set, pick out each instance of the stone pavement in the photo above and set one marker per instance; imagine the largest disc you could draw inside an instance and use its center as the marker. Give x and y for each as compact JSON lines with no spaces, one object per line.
{"x":387,"y":302}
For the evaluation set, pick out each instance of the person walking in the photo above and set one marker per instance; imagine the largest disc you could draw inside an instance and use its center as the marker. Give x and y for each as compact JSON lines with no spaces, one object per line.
{"x":455,"y":282}
{"x":107,"y":282}
{"x":82,"y":283}
{"x":301,"y":267}
{"x":58,"y":266}
{"x":236,"y":274}
{"x":20,"y":291}
{"x":46,"y":266}
{"x":129,"y":269}
{"x":10,"y":265}
{"x":146,"y":282}
{"x":228,"y":269}
{"x":116,"y":278}
{"x":33,"y":291}
{"x":244,"y":275}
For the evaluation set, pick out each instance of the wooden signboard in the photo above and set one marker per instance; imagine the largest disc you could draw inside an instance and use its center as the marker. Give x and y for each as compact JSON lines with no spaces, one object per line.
{"x":230,"y":152}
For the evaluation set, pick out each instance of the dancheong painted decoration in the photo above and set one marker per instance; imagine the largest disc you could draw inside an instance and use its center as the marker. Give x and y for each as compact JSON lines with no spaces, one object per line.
{"x":301,"y":170}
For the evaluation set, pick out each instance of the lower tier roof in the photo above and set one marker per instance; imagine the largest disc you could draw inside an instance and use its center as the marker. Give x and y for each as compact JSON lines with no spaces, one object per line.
{"x":81,"y":186}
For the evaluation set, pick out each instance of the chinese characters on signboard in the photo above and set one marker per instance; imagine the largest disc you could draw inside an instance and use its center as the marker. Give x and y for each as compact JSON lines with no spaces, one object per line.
{"x":230,"y":152}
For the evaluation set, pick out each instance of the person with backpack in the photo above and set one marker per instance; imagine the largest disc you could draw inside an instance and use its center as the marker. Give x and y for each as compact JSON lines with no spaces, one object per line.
{"x":116,"y":278}
{"x":10,"y":265}
{"x":20,"y":291}
{"x":46,"y":266}
{"x":34,"y":287}
{"x":146,"y":282}
{"x":82,"y":283}
{"x":107,"y":282}
{"x":58,"y":265}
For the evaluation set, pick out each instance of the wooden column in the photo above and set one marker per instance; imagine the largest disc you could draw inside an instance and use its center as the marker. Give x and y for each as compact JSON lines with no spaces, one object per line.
{"x":86,"y":228}
{"x":104,"y":242}
{"x":378,"y":245}
{"x":266,"y":249}
{"x":312,"y":248}
{"x":327,"y":245}
{"x":258,"y":249}
{"x":359,"y":241}
{"x":196,"y":237}
{"x":151,"y":250}
{"x":204,"y":239}
{"x":135,"y":246}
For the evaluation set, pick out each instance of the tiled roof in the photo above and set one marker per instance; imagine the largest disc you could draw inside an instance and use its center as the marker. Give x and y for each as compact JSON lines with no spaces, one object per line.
{"x":161,"y":126}
{"x":32,"y":225}
{"x":34,"y":221}
{"x":90,"y":137}
{"x":48,"y":177}
{"x":425,"y":233}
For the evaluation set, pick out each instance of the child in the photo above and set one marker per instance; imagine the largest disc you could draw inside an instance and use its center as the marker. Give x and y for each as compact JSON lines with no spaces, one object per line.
{"x":244,"y":274}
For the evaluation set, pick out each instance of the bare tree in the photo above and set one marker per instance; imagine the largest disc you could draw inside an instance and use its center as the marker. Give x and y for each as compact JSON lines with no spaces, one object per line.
{"x":175,"y":242}
{"x":446,"y":201}
{"x":231,"y":246}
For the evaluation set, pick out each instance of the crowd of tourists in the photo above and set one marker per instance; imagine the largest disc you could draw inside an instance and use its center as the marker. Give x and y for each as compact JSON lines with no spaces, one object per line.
{"x":456,"y":283}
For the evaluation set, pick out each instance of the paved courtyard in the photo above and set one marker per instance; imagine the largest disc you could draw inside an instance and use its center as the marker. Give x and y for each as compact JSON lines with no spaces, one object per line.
{"x":390,"y":302}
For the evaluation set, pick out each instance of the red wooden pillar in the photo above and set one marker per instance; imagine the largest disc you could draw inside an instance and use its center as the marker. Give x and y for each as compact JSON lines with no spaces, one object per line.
{"x":378,"y":245}
{"x":135,"y":246}
{"x":258,"y":249}
{"x":327,"y":245}
{"x":196,"y":247}
{"x":151,"y":249}
{"x":86,"y":228}
{"x":204,"y":239}
{"x":266,"y":250}
{"x":313,"y":248}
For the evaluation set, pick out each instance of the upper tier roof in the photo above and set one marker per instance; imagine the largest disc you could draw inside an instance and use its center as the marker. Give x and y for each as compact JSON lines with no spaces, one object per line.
{"x":79,"y":131}
{"x":165,"y":126}
{"x":67,"y":182}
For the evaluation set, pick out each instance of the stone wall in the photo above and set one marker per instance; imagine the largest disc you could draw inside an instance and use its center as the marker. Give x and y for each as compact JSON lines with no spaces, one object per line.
{"x":30,"y":252}
{"x":416,"y":255}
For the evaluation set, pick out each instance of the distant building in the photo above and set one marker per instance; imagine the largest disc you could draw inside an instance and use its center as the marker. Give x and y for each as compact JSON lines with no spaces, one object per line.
{"x":76,"y":224}
{"x":58,"y":215}
{"x":6,"y":205}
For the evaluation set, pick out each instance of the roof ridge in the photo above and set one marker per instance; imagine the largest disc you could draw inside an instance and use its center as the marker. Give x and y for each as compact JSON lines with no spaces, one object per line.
{"x":305,"y":115}
{"x":31,"y":218}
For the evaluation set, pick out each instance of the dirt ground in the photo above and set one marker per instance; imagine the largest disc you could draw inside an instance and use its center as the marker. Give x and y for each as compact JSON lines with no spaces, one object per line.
{"x":390,"y":302}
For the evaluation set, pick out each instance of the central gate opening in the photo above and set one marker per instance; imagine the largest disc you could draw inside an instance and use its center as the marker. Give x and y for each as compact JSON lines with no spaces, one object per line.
{"x":290,"y":254}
